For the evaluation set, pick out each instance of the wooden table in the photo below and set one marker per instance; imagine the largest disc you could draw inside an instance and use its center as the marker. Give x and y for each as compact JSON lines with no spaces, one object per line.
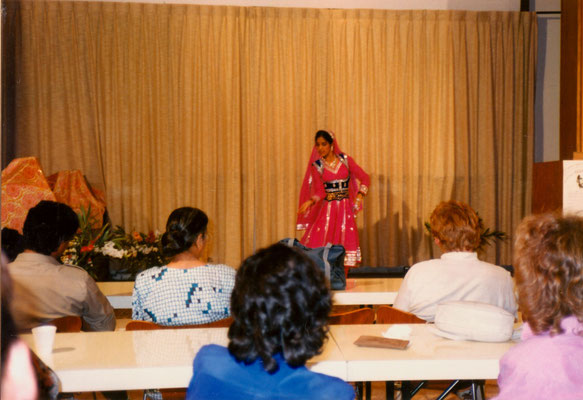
{"x":123,"y":360}
{"x":428,"y":357}
{"x":119,"y":294}
{"x":365,"y":291}
{"x":368,"y":291}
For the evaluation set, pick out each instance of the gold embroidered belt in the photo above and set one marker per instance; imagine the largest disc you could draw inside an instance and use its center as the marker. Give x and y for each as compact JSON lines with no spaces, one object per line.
{"x":339,"y":195}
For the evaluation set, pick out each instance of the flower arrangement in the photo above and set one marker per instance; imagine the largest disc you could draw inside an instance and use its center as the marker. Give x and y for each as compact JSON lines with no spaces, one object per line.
{"x":131,"y":253}
{"x":81,"y":250}
{"x":112,"y":253}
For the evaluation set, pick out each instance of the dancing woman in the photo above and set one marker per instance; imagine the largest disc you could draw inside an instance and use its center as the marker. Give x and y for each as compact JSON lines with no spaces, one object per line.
{"x":331,"y":197}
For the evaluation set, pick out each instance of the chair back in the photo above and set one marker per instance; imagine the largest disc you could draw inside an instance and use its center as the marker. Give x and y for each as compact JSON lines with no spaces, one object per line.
{"x":360,"y":316}
{"x":391,"y":315}
{"x":147,"y":326}
{"x":70,"y":323}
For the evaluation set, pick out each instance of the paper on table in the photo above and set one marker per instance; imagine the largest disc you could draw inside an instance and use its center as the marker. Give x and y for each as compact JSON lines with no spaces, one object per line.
{"x":398,"y":331}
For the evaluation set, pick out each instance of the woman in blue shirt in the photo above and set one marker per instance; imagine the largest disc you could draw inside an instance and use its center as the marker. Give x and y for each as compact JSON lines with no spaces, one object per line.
{"x":280,"y":305}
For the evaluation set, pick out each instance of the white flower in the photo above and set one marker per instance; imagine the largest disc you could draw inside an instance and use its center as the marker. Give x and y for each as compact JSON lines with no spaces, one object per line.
{"x":145,"y":249}
{"x":132,"y":252}
{"x":70,"y":259}
{"x":109,"y":250}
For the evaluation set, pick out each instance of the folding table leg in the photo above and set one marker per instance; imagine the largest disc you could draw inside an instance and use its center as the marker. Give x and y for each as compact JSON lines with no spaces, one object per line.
{"x":368,"y":390}
{"x":448,"y":390}
{"x":478,"y":390}
{"x":406,"y":390}
{"x":417,"y":388}
{"x":359,"y":389}
{"x":390,"y":390}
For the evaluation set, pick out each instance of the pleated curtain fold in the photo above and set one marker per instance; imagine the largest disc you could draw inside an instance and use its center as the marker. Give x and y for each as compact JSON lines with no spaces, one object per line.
{"x":166,"y":105}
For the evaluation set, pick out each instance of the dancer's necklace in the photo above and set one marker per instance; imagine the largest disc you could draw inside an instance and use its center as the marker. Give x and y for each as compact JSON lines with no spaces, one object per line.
{"x":331,"y":163}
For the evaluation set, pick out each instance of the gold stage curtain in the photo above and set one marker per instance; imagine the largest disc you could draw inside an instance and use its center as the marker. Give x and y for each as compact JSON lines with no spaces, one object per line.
{"x":165,"y":105}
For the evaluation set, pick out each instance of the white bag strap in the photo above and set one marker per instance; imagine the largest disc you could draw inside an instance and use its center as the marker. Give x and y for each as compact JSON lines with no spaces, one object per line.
{"x":326,"y":263}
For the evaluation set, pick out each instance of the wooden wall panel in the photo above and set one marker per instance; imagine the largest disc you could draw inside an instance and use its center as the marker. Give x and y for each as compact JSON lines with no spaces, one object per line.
{"x":547,"y":186}
{"x":570,"y":78}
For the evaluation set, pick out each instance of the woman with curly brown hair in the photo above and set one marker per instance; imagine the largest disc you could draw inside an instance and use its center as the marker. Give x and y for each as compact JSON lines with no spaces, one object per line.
{"x":280,"y":306}
{"x":546,"y":364}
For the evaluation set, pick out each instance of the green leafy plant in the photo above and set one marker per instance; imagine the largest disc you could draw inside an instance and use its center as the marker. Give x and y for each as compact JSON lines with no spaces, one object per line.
{"x":95,"y":250}
{"x":82,"y":248}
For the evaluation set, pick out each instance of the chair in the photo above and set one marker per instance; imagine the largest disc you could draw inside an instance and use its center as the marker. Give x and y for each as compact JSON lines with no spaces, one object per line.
{"x":71,"y":323}
{"x":148,"y":326}
{"x":391,"y":315}
{"x":168,"y":394}
{"x":360,"y":316}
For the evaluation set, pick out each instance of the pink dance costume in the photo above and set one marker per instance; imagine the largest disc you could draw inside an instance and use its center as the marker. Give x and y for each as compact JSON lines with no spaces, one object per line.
{"x":333,"y":188}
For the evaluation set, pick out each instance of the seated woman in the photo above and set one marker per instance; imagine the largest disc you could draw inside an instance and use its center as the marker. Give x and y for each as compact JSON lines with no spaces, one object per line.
{"x":187,"y":290}
{"x":280,"y":307}
{"x":546,"y":364}
{"x":458,"y":275}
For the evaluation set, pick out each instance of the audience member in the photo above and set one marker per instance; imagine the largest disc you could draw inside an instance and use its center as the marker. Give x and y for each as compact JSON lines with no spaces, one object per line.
{"x":187,"y":290}
{"x":45,"y":289}
{"x":458,"y":274}
{"x":280,"y":305}
{"x":24,"y":375}
{"x":548,"y":261}
{"x":12,"y":243}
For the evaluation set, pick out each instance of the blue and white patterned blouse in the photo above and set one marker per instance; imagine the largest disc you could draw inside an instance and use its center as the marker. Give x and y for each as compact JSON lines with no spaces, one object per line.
{"x":172,"y":296}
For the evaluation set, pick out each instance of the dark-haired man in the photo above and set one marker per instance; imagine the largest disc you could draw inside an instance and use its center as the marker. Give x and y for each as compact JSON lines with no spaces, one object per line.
{"x":45,"y":289}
